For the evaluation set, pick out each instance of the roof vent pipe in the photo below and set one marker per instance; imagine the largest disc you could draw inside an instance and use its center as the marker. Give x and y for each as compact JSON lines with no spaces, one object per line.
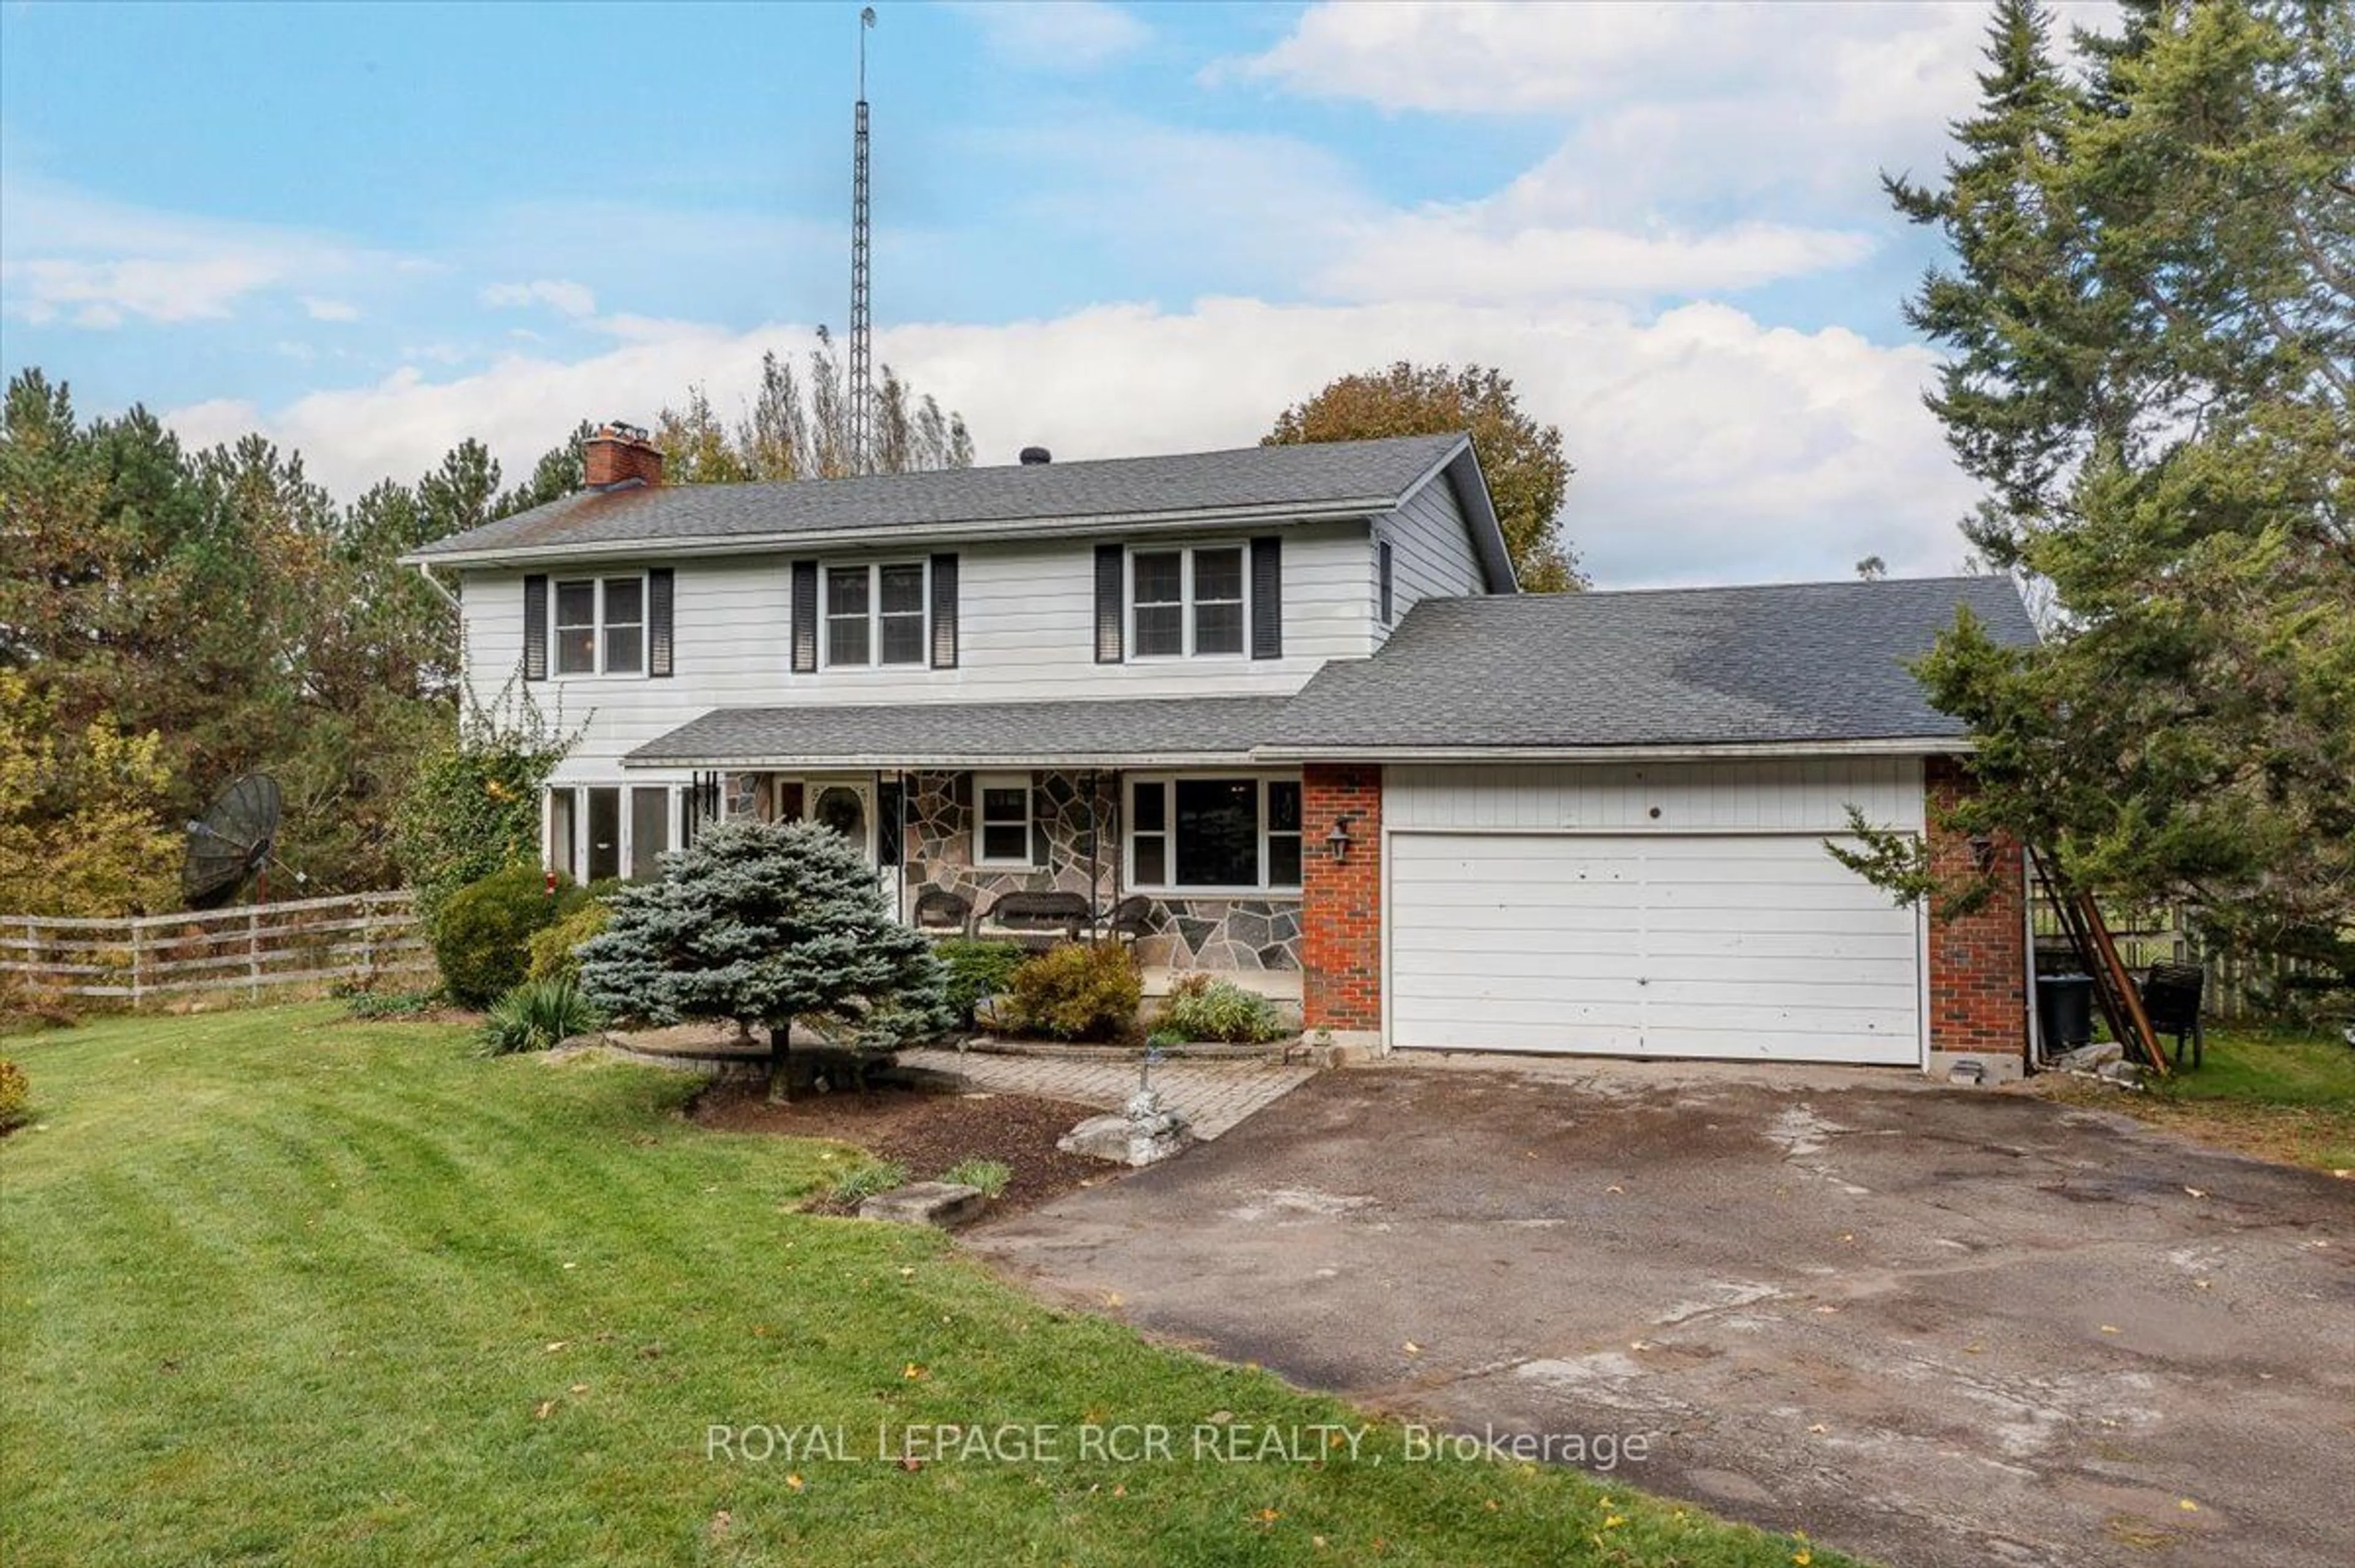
{"x":1032,"y":456}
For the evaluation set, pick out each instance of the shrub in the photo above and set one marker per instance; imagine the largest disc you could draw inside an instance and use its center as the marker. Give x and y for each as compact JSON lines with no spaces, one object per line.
{"x":780,"y":924}
{"x":977,"y":971}
{"x":989,"y":1175}
{"x":536,"y":1015}
{"x":16,"y":1097}
{"x":1202,"y":1009}
{"x":481,"y":931}
{"x":867,"y":1180}
{"x":473,"y":806}
{"x":1081,"y":990}
{"x":552,"y":948}
{"x":388,"y":1004}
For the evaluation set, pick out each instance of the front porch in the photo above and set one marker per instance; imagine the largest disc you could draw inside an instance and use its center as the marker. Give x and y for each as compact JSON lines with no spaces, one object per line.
{"x":1033,"y":856}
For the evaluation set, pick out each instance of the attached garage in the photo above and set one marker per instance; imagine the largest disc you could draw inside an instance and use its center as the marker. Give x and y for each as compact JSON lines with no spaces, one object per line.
{"x":1744,"y":945}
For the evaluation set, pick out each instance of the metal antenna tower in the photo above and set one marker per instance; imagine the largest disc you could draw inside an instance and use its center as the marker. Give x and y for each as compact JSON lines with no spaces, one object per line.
{"x":862,"y":303}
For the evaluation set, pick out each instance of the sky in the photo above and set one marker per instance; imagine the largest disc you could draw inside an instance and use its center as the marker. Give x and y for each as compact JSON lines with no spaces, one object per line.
{"x":371,"y":231}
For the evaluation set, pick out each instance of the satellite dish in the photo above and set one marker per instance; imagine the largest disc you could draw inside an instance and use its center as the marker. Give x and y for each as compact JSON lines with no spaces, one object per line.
{"x":230,"y":842}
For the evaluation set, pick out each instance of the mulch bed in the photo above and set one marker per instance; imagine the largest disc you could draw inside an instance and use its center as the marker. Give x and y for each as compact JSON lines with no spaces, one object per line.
{"x":926,"y":1130}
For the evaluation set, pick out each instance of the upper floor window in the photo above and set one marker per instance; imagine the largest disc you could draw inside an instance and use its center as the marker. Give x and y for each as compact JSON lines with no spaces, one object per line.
{"x":601,"y":627}
{"x":1187,"y":601}
{"x":874,"y":614}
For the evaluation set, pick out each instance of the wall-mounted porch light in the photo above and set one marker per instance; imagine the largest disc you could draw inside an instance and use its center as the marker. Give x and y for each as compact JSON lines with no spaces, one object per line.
{"x":1336,"y":842}
{"x":1982,"y":853}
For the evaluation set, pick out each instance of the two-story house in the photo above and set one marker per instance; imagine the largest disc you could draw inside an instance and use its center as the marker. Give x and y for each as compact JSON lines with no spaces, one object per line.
{"x":1285,"y":710}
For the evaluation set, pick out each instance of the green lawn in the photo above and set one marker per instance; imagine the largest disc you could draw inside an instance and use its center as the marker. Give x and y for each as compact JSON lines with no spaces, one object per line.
{"x":277,"y":1286}
{"x":2285,"y":1094}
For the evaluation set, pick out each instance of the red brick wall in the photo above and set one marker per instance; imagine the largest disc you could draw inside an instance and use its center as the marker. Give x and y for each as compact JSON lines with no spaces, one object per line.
{"x":1341,"y":902}
{"x":1978,"y":963}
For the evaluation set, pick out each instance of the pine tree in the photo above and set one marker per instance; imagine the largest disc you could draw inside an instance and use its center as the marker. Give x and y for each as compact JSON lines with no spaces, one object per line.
{"x":774,"y":923}
{"x":2151,"y":318}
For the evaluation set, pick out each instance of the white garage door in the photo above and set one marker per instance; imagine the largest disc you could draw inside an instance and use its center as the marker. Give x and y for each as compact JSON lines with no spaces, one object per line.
{"x":1739,"y":946}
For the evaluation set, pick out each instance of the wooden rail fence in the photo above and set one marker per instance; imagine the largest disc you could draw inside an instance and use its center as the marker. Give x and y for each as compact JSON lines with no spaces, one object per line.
{"x":2237,"y":987}
{"x":363,"y":938}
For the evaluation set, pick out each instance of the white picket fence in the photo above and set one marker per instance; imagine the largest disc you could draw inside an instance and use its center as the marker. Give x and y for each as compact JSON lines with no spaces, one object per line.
{"x":367,"y":938}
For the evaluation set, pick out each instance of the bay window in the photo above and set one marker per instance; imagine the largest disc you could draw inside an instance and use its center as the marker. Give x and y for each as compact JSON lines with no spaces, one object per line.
{"x":1235,"y":834}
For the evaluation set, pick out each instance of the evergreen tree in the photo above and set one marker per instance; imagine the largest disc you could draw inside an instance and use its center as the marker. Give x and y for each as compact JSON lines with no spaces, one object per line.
{"x":2151,"y":319}
{"x":774,"y":923}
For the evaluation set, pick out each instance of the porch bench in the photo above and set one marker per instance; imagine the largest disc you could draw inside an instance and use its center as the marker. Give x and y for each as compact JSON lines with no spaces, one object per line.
{"x":1040,"y":913}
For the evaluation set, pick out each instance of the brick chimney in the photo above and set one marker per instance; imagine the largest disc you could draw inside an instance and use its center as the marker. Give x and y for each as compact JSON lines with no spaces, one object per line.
{"x":618,"y":453}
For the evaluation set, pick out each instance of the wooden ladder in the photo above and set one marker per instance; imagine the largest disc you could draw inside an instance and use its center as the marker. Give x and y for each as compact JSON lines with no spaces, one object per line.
{"x":2097,"y":955}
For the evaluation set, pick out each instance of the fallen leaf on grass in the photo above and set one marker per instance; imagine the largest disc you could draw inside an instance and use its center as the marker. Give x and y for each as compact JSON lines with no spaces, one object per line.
{"x":794,"y":1483}
{"x":541,"y":1413}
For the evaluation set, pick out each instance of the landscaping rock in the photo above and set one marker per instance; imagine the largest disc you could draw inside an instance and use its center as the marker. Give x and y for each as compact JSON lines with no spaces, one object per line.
{"x":2088,"y":1057}
{"x":942,"y":1204}
{"x":1099,"y":1137}
{"x":1147,"y":1132}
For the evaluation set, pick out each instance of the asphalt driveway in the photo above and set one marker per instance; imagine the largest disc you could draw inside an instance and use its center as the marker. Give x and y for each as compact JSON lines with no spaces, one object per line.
{"x":1931,"y":1326}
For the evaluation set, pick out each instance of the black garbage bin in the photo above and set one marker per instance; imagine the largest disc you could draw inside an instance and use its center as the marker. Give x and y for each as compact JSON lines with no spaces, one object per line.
{"x":2064,"y":1011}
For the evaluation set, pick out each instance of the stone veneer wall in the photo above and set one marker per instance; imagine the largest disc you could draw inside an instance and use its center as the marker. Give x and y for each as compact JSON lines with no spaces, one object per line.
{"x":1183,"y":933}
{"x":1978,"y":963}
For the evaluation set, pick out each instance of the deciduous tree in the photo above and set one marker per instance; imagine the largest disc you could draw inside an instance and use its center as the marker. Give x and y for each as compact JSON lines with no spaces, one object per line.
{"x":1523,"y":460}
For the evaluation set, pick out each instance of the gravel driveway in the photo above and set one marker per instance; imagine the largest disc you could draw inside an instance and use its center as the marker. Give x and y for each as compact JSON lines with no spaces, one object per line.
{"x":1931,"y":1326}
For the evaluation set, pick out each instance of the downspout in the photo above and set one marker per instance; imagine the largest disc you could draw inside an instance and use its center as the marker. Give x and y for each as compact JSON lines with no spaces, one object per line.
{"x":440,"y":587}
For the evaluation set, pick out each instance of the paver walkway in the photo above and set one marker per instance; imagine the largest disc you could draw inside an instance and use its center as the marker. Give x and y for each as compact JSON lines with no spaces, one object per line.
{"x":1212,"y":1095}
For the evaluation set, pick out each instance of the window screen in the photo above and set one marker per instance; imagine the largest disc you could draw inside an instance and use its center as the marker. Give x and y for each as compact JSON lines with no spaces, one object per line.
{"x":1218,"y":601}
{"x":576,"y":628}
{"x":649,"y":832}
{"x":1160,"y":605}
{"x":846,"y":614}
{"x":903,"y":614}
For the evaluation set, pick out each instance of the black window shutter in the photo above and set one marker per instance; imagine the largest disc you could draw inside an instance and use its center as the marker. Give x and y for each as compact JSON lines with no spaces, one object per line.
{"x":944,"y":612}
{"x":1388,"y":600}
{"x":535,"y":628}
{"x":1042,"y":845}
{"x":1267,"y":598}
{"x":1111,"y":610}
{"x":658,"y":602}
{"x":805,"y":616}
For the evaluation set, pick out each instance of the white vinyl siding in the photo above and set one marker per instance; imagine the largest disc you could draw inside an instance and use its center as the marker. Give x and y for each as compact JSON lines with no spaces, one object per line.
{"x":1743,"y":947}
{"x":1026,"y":634}
{"x":1431,"y":554}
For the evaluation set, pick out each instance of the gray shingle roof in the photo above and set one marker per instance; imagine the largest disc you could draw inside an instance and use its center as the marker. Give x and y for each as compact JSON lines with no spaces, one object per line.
{"x":970,"y":734}
{"x":1698,"y":667}
{"x":1328,"y":475}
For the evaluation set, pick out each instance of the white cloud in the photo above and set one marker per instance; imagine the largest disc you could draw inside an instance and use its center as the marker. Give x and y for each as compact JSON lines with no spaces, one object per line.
{"x":1456,"y":254}
{"x":66,"y":255}
{"x":1057,"y":34}
{"x":322,"y":309}
{"x":1710,"y":447}
{"x":1662,"y":103}
{"x":557,"y":294}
